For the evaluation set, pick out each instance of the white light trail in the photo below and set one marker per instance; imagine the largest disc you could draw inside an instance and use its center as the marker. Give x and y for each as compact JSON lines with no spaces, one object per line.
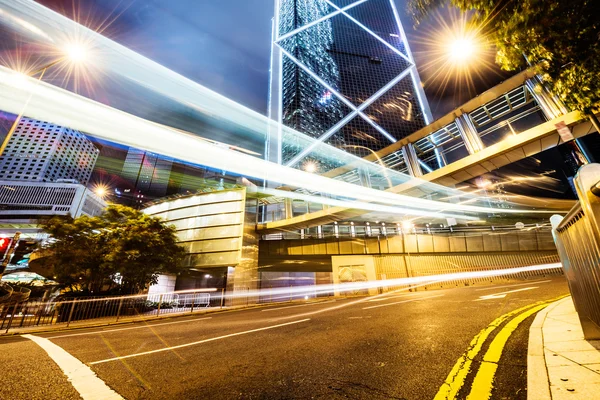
{"x":300,"y":291}
{"x":48,"y":27}
{"x":360,"y":205}
{"x":65,"y":108}
{"x":68,"y":109}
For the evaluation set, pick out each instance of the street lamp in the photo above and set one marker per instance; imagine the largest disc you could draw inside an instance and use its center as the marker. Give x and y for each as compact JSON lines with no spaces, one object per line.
{"x":72,"y":52}
{"x":101,"y":191}
{"x":461,"y":50}
{"x":310,"y":167}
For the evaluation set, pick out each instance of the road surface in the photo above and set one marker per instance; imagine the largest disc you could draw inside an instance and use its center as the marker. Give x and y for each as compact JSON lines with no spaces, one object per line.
{"x":394,"y":346}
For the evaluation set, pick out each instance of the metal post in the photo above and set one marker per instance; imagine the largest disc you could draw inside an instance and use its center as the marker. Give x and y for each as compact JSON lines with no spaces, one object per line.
{"x":193,"y":298}
{"x":469,"y":134}
{"x":12,"y":315}
{"x":39,"y":314}
{"x":411,"y":160}
{"x":159,"y":303}
{"x":24,"y":316}
{"x":119,"y":309}
{"x":71,"y":312}
{"x":222,"y":296}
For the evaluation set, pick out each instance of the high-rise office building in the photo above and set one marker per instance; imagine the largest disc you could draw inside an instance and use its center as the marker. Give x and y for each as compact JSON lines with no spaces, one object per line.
{"x":42,"y":152}
{"x":342,"y":73}
{"x":147,"y":174}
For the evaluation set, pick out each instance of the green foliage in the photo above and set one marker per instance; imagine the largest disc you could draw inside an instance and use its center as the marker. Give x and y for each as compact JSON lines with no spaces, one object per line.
{"x":561,"y":38}
{"x":121,"y":249}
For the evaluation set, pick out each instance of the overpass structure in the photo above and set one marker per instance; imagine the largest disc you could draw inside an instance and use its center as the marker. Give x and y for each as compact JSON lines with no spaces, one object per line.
{"x":514,"y":120}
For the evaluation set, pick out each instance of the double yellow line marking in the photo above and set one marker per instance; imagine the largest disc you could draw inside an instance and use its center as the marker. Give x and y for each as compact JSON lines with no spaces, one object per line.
{"x":482,"y":385}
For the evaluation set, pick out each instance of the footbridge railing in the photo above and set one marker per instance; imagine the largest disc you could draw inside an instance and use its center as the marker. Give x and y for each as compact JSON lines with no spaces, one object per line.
{"x":577,"y":238}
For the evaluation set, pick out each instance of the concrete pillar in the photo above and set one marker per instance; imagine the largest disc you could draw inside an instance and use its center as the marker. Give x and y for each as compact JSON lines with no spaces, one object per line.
{"x":412,"y":161}
{"x":469,"y":134}
{"x":365,"y":178}
{"x":288,"y":208}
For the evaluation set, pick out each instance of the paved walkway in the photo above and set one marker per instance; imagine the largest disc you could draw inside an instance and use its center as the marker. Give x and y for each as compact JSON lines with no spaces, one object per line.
{"x":561,"y":364}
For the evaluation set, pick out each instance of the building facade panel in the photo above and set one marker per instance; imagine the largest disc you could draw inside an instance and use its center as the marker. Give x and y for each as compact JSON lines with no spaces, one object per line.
{"x":39,"y":151}
{"x":338,"y":73}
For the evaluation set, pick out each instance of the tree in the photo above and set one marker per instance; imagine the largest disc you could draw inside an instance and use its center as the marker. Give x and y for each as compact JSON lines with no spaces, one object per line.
{"x":560,"y":38}
{"x":123,"y":248}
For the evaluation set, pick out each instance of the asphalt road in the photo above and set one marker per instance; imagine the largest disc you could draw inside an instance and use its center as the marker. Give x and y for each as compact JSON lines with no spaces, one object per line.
{"x":398,"y":346}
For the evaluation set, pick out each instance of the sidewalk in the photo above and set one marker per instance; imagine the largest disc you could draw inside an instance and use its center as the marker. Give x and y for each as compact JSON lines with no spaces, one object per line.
{"x":560,"y":363}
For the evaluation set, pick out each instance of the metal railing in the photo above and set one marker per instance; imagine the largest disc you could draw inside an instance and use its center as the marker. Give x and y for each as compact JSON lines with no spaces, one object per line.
{"x":577,"y":238}
{"x":375,"y":230}
{"x":106,"y":309}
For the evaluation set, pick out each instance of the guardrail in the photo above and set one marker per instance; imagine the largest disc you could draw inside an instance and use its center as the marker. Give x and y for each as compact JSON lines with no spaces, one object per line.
{"x":383,"y":230}
{"x":577,"y":238}
{"x":106,"y":309}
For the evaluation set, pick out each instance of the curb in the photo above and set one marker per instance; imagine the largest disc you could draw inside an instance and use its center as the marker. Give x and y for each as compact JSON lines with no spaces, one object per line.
{"x":538,"y":382}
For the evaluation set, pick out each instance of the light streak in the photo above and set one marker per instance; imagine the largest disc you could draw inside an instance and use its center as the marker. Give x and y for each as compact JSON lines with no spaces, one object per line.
{"x":112,"y":58}
{"x":361,"y":205}
{"x":301,"y":291}
{"x":68,"y":109}
{"x":63,"y":108}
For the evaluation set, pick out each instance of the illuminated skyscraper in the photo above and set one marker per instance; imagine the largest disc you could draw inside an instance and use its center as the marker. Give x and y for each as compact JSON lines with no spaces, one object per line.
{"x":39,"y":151}
{"x":342,"y":73}
{"x":147,"y":174}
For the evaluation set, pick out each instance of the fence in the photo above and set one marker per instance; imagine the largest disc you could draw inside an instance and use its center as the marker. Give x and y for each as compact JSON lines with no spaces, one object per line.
{"x":577,"y":238}
{"x":381,"y":230}
{"x":22,"y":314}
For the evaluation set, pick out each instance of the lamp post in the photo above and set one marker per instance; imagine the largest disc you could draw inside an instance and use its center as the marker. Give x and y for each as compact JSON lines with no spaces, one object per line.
{"x":72,"y":53}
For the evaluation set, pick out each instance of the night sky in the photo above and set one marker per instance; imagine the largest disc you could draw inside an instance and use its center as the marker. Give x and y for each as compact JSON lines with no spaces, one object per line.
{"x":225,"y":44}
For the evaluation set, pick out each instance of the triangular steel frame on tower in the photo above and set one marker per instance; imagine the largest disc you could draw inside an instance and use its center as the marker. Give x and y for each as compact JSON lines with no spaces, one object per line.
{"x":342,"y":73}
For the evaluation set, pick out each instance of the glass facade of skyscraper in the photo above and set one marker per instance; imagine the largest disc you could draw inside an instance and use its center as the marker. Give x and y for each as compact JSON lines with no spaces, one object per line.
{"x":343,"y":75}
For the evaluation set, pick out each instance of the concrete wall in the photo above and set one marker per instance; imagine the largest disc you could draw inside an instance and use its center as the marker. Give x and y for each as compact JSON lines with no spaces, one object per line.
{"x":388,"y":267}
{"x":165,"y":284}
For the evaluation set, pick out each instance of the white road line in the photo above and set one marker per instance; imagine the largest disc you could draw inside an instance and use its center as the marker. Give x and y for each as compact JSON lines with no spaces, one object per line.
{"x":396,"y":296}
{"x":400,"y":302}
{"x":518,"y":284}
{"x":299,"y":305}
{"x":198,"y":342}
{"x":502,"y":295}
{"x":83,"y":379}
{"x":126,"y":329}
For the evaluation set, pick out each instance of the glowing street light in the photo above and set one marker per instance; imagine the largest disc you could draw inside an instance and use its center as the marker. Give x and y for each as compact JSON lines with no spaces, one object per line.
{"x":73,"y":52}
{"x":407,"y":226}
{"x":101,"y":191}
{"x":462,"y":49}
{"x":310,"y":167}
